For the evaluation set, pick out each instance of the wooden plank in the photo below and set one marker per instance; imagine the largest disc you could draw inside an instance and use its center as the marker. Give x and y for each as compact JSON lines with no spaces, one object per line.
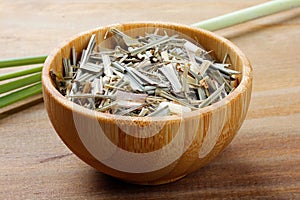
{"x":263,"y":161}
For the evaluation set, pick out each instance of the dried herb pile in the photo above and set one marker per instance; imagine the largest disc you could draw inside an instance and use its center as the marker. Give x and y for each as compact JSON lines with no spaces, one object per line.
{"x":151,"y":75}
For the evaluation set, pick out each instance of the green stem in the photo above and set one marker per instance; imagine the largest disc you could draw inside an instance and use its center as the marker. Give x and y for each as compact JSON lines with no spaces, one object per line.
{"x":22,"y":61}
{"x":20,"y":83}
{"x":20,"y":94}
{"x":247,"y":14}
{"x":20,"y":73}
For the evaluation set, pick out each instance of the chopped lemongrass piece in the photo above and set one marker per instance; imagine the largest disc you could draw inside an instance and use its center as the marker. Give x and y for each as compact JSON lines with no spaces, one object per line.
{"x":143,"y":112}
{"x":142,"y":64}
{"x":66,"y":67}
{"x":165,"y":56}
{"x":87,"y":87}
{"x":176,"y":108}
{"x":142,"y":76}
{"x":135,"y":86}
{"x":92,"y":67}
{"x":220,"y":79}
{"x":108,"y":106}
{"x":74,"y":56}
{"x":193,"y":48}
{"x":128,"y":104}
{"x":88,"y":51}
{"x":220,"y":67}
{"x":160,"y":112}
{"x":168,"y":71}
{"x":92,"y":96}
{"x":107,"y":63}
{"x":225,"y":58}
{"x":130,"y":96}
{"x":194,"y":67}
{"x":84,"y":77}
{"x":129,"y":110}
{"x":212,"y":97}
{"x":201,"y":93}
{"x":118,"y":67}
{"x":204,"y":66}
{"x":115,"y":88}
{"x":129,"y":41}
{"x":96,"y":86}
{"x":185,"y":85}
{"x":224,"y":68}
{"x":170,"y":97}
{"x":149,"y":45}
{"x":130,"y":73}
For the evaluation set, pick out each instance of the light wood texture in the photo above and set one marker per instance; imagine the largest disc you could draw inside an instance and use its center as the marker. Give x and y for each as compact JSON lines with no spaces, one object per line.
{"x":262,"y":161}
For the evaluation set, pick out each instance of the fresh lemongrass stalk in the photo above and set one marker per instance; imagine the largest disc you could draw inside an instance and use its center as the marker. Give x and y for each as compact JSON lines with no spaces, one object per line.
{"x":20,"y":73}
{"x":247,"y":14}
{"x":12,"y":62}
{"x":6,"y":87}
{"x":20,"y":94}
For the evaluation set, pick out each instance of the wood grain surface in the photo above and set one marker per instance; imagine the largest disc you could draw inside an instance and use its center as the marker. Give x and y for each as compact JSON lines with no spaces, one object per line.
{"x":262,"y":162}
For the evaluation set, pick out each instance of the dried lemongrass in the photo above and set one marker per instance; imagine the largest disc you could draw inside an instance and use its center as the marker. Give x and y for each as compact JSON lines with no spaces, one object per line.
{"x":212,"y":97}
{"x":107,"y":64}
{"x":152,"y":75}
{"x":170,"y":74}
{"x":129,"y":41}
{"x":160,"y":111}
{"x":194,"y":48}
{"x":176,"y":108}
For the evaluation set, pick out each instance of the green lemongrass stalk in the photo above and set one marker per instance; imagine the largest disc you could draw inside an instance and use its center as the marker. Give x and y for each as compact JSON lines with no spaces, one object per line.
{"x":247,"y":14}
{"x":6,"y":87}
{"x":12,"y":62}
{"x":20,"y":94}
{"x":20,"y":73}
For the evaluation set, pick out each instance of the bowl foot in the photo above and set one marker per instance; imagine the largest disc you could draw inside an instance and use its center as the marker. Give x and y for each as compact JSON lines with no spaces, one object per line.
{"x":159,"y":181}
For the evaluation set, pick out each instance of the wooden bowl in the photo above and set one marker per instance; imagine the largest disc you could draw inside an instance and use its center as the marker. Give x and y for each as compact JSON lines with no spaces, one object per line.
{"x":148,"y":150}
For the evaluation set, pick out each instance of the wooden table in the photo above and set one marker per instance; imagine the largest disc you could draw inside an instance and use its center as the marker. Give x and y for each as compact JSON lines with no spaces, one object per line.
{"x":262,"y":162}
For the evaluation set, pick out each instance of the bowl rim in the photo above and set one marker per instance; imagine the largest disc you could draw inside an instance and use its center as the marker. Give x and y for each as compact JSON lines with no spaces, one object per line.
{"x":58,"y":97}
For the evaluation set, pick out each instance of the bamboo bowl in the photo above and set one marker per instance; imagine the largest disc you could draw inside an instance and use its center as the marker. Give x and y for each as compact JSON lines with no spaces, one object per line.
{"x":148,"y":150}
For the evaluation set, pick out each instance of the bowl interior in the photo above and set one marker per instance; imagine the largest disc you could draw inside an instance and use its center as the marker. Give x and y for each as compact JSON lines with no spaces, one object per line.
{"x":218,"y":46}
